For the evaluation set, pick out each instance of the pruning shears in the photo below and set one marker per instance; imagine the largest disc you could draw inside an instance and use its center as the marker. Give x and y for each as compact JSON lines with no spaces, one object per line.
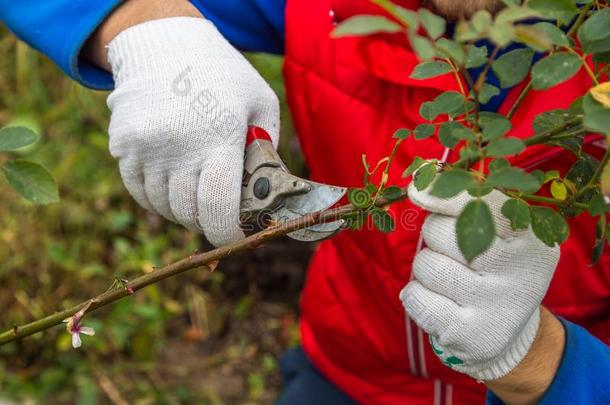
{"x":268,"y":189}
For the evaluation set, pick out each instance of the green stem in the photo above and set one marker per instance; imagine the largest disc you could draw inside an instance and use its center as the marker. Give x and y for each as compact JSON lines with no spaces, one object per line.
{"x":581,"y":19}
{"x":519,"y":101}
{"x":549,"y":134}
{"x":603,"y":70}
{"x":547,"y":200}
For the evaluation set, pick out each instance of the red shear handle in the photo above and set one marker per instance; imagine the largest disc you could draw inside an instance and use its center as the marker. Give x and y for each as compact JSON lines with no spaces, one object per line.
{"x":255,"y":133}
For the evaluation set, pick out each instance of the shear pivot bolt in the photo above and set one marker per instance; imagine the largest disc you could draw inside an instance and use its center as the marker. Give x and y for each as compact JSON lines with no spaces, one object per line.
{"x":262,"y":186}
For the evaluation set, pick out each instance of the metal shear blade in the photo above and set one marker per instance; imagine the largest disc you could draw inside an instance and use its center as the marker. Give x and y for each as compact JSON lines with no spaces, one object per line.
{"x":319,"y":198}
{"x":268,"y":188}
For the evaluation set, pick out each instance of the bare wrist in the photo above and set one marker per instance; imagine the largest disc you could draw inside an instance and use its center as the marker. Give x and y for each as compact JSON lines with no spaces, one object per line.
{"x":527,"y":383}
{"x":128,"y":14}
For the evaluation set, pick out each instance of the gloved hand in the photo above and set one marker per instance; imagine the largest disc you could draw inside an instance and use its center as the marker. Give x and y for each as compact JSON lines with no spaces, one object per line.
{"x":183,"y":101}
{"x":483,"y":316}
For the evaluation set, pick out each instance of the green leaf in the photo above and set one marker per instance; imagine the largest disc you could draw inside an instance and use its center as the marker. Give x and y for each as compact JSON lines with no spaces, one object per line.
{"x":594,"y":34}
{"x":416,"y":164}
{"x":423,"y":47}
{"x":550,"y":176}
{"x":408,"y":17}
{"x":401,"y":134}
{"x":601,"y":57}
{"x":512,"y":14}
{"x":433,"y":24}
{"x":502,"y":34}
{"x":382,"y":220}
{"x":551,"y":120}
{"x":424,"y":131}
{"x":539,"y":176}
{"x":371,"y":188}
{"x":498,"y":164}
{"x":32,"y":181}
{"x":452,"y":182}
{"x":597,"y":26}
{"x":512,"y":67}
{"x":512,"y":178}
{"x":555,"y":69}
{"x":13,"y":138}
{"x":559,"y":190}
{"x":597,"y":205}
{"x":495,"y":128}
{"x":597,"y":117}
{"x":557,"y":36}
{"x":392,"y":193}
{"x":470,"y":152}
{"x":549,"y":226}
{"x":582,"y":171}
{"x":487,"y":93}
{"x":452,"y":49}
{"x":429,"y":69}
{"x":362,"y":25}
{"x":534,"y":37}
{"x":448,"y":102}
{"x":359,"y":198}
{"x":475,"y":229}
{"x":445,"y":134}
{"x":518,"y":213}
{"x":505,"y":147}
{"x":424,"y":176}
{"x":562,"y":10}
{"x":428,"y":111}
{"x":598,"y":250}
{"x":476,"y":56}
{"x":481,"y":21}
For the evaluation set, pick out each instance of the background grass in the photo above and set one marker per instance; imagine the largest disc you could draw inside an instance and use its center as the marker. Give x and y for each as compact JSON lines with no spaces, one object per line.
{"x":198,"y":338}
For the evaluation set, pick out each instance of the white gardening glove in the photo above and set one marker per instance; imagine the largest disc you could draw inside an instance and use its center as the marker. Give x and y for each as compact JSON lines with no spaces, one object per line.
{"x":183,"y":101}
{"x":483,"y":316}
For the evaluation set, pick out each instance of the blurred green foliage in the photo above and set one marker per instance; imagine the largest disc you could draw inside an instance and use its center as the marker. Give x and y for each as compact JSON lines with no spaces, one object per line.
{"x":192,"y":339}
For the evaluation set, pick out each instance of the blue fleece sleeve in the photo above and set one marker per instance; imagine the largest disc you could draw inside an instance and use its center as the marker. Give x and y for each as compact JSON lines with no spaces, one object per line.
{"x":252,"y":25}
{"x":583,"y":376}
{"x":59,"y":28}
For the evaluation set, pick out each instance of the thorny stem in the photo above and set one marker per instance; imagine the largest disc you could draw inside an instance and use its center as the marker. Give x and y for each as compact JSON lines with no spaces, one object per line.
{"x":207,"y":259}
{"x":547,"y":200}
{"x":458,"y":79}
{"x":549,"y":134}
{"x":581,"y":19}
{"x":483,"y":76}
{"x":519,"y":101}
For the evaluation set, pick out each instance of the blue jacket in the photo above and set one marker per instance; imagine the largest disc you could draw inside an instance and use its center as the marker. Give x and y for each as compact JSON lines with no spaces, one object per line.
{"x":59,"y":28}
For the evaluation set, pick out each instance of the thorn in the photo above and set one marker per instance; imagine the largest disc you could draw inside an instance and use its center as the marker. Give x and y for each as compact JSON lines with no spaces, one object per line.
{"x":212,"y":265}
{"x":15,"y":330}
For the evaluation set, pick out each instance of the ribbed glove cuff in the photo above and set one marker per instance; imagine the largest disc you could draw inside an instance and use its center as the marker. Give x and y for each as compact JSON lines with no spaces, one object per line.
{"x":499,"y":367}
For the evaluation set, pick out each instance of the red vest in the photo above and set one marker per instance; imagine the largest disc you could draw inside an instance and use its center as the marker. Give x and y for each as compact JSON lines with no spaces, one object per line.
{"x":347,"y":97}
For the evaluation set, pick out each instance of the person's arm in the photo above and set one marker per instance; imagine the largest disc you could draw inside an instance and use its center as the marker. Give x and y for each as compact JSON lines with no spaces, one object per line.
{"x":130,"y":13}
{"x":256,"y":25}
{"x":566,"y":364}
{"x":528,"y":382}
{"x":60,"y":28}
